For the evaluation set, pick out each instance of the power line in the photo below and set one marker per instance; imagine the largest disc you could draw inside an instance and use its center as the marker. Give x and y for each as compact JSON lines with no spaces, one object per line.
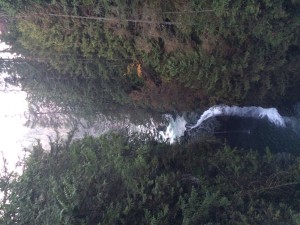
{"x":106,"y":19}
{"x":190,"y":11}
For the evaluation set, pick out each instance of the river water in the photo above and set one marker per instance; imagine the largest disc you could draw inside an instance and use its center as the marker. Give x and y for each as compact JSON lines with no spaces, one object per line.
{"x":244,"y":127}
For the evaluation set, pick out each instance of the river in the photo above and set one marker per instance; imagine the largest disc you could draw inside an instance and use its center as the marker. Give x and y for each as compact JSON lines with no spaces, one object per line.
{"x":245,"y":127}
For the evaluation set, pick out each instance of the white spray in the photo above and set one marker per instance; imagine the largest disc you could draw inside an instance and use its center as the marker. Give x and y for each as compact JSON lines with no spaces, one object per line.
{"x":177,"y":127}
{"x":252,"y":112}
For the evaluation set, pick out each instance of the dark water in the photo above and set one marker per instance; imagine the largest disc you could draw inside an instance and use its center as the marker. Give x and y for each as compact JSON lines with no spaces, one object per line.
{"x":246,"y":127}
{"x":257,"y":134}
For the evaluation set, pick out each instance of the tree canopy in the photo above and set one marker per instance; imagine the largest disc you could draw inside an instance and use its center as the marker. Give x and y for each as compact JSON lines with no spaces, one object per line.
{"x":93,"y":56}
{"x":119,"y":180}
{"x":233,"y":52}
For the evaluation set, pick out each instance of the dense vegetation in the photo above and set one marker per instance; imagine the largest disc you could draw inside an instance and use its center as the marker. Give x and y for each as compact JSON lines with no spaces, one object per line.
{"x":84,"y":57}
{"x":232,"y":52}
{"x":114,"y":180}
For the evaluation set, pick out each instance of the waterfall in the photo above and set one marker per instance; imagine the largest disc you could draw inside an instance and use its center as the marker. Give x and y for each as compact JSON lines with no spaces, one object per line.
{"x":252,"y":111}
{"x":175,"y":129}
{"x":177,"y":126}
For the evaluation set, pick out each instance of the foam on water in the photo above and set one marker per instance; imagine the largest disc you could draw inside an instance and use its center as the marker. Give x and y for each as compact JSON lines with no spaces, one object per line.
{"x":252,"y":112}
{"x":177,"y":127}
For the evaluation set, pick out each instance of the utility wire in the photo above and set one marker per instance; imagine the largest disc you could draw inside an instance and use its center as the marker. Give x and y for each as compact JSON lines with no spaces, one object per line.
{"x":106,"y":19}
{"x":191,"y":11}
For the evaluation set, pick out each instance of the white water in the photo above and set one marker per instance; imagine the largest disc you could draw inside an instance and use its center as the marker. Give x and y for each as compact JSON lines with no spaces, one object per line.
{"x":177,"y":127}
{"x":252,"y":112}
{"x":100,"y":126}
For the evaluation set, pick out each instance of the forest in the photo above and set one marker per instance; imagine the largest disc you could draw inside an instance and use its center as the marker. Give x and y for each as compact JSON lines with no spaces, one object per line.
{"x":85,"y":57}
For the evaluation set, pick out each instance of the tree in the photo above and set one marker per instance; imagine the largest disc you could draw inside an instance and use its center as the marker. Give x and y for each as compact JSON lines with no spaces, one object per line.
{"x":115,"y":179}
{"x":230,"y":51}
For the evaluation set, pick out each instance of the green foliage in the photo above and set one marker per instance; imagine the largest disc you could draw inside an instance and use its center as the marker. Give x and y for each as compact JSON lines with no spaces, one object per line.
{"x":75,"y":58}
{"x":196,"y":209}
{"x":253,"y":46}
{"x":232,"y":51}
{"x":52,"y":95}
{"x":119,"y":180}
